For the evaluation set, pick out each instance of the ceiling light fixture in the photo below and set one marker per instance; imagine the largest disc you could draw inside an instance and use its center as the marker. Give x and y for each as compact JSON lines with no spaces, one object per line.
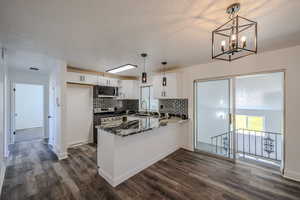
{"x":121,"y":68}
{"x":236,"y":38}
{"x":144,"y":74}
{"x":164,"y":79}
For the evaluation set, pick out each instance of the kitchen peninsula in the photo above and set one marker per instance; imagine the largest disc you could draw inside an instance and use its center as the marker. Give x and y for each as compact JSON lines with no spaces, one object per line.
{"x":133,"y":144}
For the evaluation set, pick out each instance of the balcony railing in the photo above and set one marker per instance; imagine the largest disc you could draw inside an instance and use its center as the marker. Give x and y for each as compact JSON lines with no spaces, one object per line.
{"x":262,"y":144}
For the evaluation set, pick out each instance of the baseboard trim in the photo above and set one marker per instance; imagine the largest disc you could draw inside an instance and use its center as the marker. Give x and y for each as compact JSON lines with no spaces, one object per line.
{"x":2,"y":174}
{"x":60,"y":155}
{"x":74,"y":144}
{"x":188,"y":148}
{"x":295,"y":176}
{"x":118,"y":180}
{"x":107,"y":177}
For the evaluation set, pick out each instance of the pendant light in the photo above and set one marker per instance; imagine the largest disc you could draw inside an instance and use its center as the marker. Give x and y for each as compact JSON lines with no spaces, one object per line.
{"x":236,"y":38}
{"x":164,"y":79}
{"x":144,"y":74}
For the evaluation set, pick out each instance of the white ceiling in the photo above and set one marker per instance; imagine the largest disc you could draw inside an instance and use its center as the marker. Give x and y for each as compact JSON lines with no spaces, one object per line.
{"x":102,"y":34}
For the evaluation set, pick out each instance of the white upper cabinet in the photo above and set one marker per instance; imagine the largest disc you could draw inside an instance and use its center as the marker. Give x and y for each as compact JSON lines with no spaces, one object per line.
{"x":74,"y":77}
{"x":173,"y":88}
{"x":106,"y":81}
{"x":129,"y":89}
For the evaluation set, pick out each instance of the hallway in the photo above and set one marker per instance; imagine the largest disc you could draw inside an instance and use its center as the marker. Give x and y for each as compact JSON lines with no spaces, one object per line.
{"x":29,"y":134}
{"x":33,"y":172}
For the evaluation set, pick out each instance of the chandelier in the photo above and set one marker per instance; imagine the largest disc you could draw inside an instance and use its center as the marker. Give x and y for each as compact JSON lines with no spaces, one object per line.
{"x":236,"y":38}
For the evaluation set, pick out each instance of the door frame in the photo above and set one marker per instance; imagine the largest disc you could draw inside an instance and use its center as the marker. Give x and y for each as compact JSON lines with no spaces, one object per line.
{"x":233,"y":77}
{"x":231,"y":115}
{"x":13,"y":108}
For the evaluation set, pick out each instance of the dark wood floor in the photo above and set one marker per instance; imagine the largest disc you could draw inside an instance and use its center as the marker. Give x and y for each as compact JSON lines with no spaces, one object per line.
{"x":35,"y":173}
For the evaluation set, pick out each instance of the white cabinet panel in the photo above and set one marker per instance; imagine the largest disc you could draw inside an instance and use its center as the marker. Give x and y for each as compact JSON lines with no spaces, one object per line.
{"x":105,"y":81}
{"x":92,"y":79}
{"x":129,"y":89}
{"x":169,"y":91}
{"x":75,"y":77}
{"x":157,"y":86}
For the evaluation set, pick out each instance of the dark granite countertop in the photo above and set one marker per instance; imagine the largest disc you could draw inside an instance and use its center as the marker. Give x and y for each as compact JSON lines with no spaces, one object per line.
{"x":135,"y":125}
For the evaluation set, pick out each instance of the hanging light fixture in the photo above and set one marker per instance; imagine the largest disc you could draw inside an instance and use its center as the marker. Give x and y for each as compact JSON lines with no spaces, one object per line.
{"x":236,"y":38}
{"x":144,"y":74}
{"x":164,"y":79}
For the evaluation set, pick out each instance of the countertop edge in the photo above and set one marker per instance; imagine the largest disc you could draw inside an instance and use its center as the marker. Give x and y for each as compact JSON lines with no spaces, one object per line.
{"x":146,"y":130}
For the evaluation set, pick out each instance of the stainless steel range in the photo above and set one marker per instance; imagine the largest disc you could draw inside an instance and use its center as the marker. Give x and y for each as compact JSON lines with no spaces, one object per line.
{"x":105,"y":117}
{"x":103,"y":110}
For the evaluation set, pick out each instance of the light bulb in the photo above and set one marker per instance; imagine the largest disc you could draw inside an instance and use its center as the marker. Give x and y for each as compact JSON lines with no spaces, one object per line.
{"x":243,"y":39}
{"x":233,"y":37}
{"x":223,"y":43}
{"x":233,"y":41}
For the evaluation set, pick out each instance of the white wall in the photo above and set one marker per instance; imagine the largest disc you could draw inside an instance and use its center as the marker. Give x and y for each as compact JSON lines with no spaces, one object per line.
{"x":29,"y":77}
{"x":79,"y":117}
{"x":288,"y":59}
{"x":57,"y":108}
{"x":29,"y":106}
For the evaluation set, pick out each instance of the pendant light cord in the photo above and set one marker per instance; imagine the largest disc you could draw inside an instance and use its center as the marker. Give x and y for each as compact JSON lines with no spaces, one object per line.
{"x":144,"y":64}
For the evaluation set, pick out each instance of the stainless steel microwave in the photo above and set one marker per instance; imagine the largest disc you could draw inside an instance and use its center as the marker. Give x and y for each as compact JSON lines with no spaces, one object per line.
{"x":106,"y":91}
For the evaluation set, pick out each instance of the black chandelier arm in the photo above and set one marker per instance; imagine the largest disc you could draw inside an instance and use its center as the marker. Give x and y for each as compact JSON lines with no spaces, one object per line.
{"x":225,"y":35}
{"x":227,"y":29}
{"x":221,"y":54}
{"x":217,"y":29}
{"x":230,"y":51}
{"x":248,"y":20}
{"x":222,"y":59}
{"x":242,"y":56}
{"x":249,"y":26}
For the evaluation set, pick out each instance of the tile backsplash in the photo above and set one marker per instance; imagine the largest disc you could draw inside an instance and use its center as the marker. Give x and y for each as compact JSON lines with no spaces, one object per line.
{"x":174,"y":106}
{"x":125,"y":104}
{"x":171,"y":106}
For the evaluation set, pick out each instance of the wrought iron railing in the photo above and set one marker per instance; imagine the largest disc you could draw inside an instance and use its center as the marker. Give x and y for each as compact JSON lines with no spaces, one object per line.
{"x":263,"y":144}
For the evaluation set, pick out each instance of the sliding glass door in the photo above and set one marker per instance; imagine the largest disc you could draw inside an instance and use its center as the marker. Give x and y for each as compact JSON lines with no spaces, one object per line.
{"x":213,"y":120}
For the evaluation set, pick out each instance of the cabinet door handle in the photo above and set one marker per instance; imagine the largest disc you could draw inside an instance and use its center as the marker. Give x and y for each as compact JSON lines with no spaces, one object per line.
{"x":82,"y":78}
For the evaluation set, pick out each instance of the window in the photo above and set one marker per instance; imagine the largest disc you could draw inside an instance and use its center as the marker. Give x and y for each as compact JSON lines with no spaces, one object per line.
{"x":147,"y":101}
{"x":255,"y":123}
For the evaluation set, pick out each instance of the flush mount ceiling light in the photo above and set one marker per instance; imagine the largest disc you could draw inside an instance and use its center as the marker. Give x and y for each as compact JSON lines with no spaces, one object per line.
{"x":236,"y":38}
{"x":144,"y":74}
{"x":164,"y":79}
{"x":121,"y":68}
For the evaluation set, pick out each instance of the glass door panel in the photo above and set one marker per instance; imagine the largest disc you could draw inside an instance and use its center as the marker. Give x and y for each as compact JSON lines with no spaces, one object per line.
{"x":212,"y":128}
